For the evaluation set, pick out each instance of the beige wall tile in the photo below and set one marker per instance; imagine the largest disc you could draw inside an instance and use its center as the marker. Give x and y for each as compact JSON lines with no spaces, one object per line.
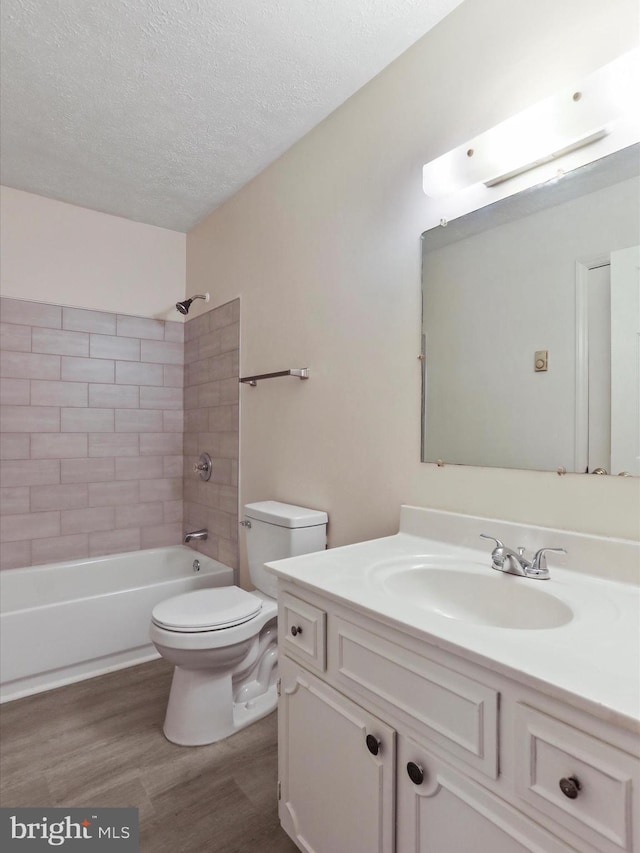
{"x":60,"y":548}
{"x":165,"y":352}
{"x":87,"y":370}
{"x":29,"y":419}
{"x":87,"y":520}
{"x":169,"y":489}
{"x":15,"y":392}
{"x":14,"y":499}
{"x":26,"y":472}
{"x":48,"y":393}
{"x":140,"y":327}
{"x":29,"y":365}
{"x":139,"y":468}
{"x":114,"y":444}
{"x":14,"y":445}
{"x":32,"y":525}
{"x":114,"y":542}
{"x":15,"y":338}
{"x":160,"y":398}
{"x":161,"y":536}
{"x":58,"y":446}
{"x":87,"y":420}
{"x":15,"y":555}
{"x":75,"y":496}
{"x":113,"y":347}
{"x":64,"y":402}
{"x":172,"y":421}
{"x":140,"y":515}
{"x":172,"y":512}
{"x":109,"y":390}
{"x":81,"y":320}
{"x":31,"y":313}
{"x":173,"y":375}
{"x":114,"y":396}
{"x":136,"y":420}
{"x":172,"y":466}
{"x":132,"y":373}
{"x":86,"y":470}
{"x":160,"y":443}
{"x":174,"y":331}
{"x":57,"y":342}
{"x":116,"y":494}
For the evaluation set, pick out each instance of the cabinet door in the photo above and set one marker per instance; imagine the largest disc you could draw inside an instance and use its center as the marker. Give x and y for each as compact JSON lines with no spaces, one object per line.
{"x":441,"y":811}
{"x":335,"y":793}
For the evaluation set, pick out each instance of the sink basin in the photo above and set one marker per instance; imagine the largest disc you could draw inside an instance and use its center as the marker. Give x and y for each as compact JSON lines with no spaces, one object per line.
{"x":496,"y":599}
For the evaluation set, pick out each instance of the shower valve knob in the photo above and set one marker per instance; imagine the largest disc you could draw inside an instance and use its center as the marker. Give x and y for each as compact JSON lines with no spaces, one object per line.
{"x":203,"y":467}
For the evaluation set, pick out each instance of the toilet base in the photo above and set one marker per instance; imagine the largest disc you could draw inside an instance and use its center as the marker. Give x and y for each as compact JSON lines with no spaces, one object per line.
{"x":202,"y":710}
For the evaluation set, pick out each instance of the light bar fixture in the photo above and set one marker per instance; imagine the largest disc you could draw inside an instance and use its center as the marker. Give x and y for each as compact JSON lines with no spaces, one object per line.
{"x":547,"y":131}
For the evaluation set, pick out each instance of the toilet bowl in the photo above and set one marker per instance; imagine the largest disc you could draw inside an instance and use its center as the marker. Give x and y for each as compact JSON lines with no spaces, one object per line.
{"x":223,"y":641}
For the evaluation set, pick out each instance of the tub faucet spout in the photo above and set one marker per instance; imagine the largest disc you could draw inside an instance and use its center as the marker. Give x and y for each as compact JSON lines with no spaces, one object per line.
{"x":196,"y":535}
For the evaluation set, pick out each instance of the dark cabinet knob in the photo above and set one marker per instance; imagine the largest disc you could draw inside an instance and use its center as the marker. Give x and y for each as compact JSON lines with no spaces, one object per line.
{"x":373,"y":744}
{"x":295,"y":630}
{"x":416,"y":773}
{"x":570,"y":787}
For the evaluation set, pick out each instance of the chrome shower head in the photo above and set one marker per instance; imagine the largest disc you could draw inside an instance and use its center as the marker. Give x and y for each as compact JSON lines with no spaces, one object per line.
{"x":183,"y":307}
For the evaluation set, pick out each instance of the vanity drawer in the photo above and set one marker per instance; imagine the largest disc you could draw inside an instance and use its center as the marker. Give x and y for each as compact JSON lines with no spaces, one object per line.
{"x":302,"y":631}
{"x":602,"y":782}
{"x":456,"y":713}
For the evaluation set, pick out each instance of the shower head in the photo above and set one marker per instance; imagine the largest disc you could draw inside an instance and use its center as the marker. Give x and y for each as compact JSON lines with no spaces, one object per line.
{"x":183,"y":307}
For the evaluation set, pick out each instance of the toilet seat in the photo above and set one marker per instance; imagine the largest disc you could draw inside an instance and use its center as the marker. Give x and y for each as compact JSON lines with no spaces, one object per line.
{"x":206,"y":610}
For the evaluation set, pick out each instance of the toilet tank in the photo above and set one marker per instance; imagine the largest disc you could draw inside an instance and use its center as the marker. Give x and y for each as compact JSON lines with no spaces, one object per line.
{"x":277,"y":531}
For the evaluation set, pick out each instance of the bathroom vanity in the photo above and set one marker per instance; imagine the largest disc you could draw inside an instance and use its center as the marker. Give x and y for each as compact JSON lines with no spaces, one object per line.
{"x":429,"y":703}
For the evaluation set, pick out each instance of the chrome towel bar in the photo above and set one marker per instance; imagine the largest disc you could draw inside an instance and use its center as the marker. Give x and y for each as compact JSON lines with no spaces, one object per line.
{"x":300,"y":372}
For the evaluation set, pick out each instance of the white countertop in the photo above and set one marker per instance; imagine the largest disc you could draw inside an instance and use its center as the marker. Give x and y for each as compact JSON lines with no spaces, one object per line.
{"x":593,"y":661}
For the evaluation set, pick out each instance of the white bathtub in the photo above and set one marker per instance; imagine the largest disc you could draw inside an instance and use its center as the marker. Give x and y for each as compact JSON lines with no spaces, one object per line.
{"x":64,"y":622}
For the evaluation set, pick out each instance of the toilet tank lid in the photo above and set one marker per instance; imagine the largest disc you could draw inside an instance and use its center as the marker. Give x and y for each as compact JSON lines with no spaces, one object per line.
{"x":285,"y":515}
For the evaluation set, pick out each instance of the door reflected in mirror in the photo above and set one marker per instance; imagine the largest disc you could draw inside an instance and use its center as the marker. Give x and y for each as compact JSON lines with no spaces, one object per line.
{"x":531,"y":322}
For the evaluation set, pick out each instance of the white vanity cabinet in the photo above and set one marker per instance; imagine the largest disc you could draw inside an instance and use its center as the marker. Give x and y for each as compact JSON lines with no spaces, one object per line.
{"x":388,"y":744}
{"x":335,"y":792}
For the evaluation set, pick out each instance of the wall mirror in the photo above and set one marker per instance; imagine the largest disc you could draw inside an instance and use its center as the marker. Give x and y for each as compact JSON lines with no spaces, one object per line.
{"x":531,"y":325}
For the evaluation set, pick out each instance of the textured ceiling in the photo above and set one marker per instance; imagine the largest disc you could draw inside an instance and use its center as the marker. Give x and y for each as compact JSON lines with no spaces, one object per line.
{"x":159,"y":110}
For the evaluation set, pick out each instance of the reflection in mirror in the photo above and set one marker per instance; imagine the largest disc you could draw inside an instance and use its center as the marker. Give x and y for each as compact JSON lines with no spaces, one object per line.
{"x":531,"y":322}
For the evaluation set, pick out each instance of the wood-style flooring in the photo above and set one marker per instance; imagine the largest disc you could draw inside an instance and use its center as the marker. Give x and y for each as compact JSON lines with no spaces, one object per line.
{"x":100,"y":743}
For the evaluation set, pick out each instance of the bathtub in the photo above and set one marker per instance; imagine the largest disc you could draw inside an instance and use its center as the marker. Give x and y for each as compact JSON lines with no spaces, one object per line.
{"x":65,"y":622}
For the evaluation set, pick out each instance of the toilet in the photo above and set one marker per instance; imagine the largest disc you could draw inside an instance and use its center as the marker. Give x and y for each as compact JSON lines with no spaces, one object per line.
{"x":223,"y":641}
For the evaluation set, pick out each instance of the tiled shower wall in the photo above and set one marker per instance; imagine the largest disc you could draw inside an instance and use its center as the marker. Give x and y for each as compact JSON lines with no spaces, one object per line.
{"x":211,"y":424}
{"x":92,"y":431}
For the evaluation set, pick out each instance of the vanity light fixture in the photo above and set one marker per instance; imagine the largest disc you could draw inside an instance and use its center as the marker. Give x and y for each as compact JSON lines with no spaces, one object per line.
{"x":547,"y":131}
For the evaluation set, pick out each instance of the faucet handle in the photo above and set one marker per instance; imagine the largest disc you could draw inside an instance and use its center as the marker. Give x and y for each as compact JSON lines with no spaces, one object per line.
{"x":540,"y":561}
{"x":499,"y":544}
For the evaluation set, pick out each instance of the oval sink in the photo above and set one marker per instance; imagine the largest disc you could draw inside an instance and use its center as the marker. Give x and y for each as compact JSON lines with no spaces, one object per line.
{"x":499,"y":600}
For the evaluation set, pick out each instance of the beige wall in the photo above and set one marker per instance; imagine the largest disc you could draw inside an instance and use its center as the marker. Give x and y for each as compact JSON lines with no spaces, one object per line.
{"x":61,"y":253}
{"x":323,"y":248}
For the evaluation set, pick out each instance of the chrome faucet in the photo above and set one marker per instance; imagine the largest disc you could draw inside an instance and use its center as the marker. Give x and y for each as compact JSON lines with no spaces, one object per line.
{"x":196,"y":535}
{"x":505,"y":559}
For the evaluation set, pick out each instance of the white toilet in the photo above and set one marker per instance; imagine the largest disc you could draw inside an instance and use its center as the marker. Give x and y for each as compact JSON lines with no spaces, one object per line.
{"x":223,"y":641}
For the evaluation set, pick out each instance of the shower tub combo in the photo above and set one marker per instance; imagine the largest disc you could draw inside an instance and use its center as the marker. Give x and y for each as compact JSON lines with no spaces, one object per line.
{"x":65,"y":622}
